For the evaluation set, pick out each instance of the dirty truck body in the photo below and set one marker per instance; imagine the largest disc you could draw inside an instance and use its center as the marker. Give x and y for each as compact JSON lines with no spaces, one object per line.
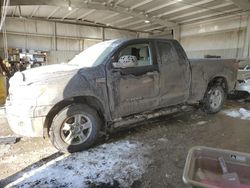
{"x":110,"y":85}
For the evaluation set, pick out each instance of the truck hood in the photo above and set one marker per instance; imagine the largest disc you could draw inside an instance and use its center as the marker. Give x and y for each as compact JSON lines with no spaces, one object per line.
{"x":44,"y":73}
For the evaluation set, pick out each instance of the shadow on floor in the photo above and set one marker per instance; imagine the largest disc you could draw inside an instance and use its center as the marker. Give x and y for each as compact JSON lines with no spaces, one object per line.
{"x":39,"y":163}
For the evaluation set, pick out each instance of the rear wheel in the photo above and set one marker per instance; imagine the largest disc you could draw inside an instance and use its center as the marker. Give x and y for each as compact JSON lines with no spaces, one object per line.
{"x":214,"y":99}
{"x":75,"y":128}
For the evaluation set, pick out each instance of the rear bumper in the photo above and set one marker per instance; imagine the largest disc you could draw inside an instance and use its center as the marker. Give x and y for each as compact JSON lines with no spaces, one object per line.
{"x":243,"y":87}
{"x":22,"y":121}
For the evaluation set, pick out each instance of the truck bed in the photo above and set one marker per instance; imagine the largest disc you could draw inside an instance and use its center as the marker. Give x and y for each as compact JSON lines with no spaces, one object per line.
{"x":203,"y":70}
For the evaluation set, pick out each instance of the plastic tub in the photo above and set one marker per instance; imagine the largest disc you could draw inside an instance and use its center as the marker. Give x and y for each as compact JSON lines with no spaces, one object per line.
{"x":202,"y":168}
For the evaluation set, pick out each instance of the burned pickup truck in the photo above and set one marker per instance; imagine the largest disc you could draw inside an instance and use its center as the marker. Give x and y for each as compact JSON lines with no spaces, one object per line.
{"x":112,"y":85}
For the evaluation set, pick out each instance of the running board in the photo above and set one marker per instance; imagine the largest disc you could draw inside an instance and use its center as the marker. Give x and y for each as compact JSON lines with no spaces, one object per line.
{"x":128,"y":122}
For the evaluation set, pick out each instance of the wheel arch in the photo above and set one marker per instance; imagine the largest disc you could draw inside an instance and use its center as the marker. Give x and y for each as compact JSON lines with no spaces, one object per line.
{"x":219,"y":80}
{"x":92,"y":101}
{"x":206,"y":103}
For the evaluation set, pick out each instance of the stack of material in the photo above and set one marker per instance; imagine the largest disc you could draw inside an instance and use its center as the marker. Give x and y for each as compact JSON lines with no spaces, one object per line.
{"x":3,"y":89}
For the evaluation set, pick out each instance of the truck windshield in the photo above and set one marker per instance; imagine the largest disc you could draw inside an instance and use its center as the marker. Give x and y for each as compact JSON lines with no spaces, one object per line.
{"x":93,"y":55}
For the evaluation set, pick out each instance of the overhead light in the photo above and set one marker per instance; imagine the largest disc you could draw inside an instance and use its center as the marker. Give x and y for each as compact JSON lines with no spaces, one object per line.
{"x":69,"y":6}
{"x":147,"y":21}
{"x":179,"y":0}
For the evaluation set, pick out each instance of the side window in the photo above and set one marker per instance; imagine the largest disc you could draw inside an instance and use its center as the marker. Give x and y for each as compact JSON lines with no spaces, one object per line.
{"x":166,"y":52}
{"x":136,"y":55}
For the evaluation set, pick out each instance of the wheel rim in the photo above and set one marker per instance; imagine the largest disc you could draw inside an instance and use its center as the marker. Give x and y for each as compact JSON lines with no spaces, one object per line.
{"x":76,"y":129}
{"x":215,"y":98}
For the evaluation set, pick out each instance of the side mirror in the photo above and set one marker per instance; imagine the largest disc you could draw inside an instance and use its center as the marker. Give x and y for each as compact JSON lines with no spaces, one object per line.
{"x":126,"y":61}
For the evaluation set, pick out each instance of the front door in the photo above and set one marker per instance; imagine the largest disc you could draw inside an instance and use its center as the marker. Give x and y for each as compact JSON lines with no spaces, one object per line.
{"x":133,"y":81}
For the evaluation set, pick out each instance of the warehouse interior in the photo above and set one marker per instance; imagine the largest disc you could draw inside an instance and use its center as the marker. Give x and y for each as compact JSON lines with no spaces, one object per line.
{"x":154,"y":153}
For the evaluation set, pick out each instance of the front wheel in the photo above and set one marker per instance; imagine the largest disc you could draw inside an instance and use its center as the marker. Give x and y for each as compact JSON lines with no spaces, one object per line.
{"x":75,"y":128}
{"x":214,"y":99}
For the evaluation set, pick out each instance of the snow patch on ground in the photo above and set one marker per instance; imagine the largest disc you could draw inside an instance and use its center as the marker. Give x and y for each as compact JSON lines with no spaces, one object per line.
{"x":241,"y":113}
{"x":119,"y":164}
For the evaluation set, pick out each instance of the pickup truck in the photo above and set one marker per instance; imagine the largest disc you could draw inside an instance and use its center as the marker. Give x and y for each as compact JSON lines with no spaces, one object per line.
{"x":112,"y":85}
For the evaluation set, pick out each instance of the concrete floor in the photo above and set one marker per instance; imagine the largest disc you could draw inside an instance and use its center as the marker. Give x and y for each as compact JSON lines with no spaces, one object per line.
{"x":169,"y":139}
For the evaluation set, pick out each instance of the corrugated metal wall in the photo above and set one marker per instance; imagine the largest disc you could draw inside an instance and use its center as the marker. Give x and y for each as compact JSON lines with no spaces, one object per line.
{"x":224,"y":37}
{"x":63,"y":41}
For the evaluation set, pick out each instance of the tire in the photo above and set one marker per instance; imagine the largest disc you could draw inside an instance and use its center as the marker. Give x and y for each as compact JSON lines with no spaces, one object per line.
{"x":75,"y":128}
{"x":36,"y":65}
{"x":214,"y":99}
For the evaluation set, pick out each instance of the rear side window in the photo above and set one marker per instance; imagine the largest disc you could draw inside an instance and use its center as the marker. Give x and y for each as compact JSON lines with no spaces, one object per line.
{"x":166,"y":52}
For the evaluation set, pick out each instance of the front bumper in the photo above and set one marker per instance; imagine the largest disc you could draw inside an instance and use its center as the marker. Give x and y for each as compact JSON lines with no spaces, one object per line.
{"x":26,"y":126}
{"x":22,"y":121}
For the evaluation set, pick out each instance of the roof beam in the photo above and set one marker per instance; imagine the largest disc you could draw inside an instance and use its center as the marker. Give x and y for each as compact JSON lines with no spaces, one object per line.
{"x":212,"y":20}
{"x":202,"y":10}
{"x":20,"y":11}
{"x":162,"y":6}
{"x":70,"y":13}
{"x":211,"y":15}
{"x":142,"y":16}
{"x":122,"y":20}
{"x":119,"y":2}
{"x":98,"y":6}
{"x":185,"y":7}
{"x":14,"y":11}
{"x":34,"y":11}
{"x":154,"y":28}
{"x":74,"y":22}
{"x":140,"y":4}
{"x":53,"y":12}
{"x":142,"y":26}
{"x":243,"y":4}
{"x":108,"y":17}
{"x":132,"y":23}
{"x":85,"y":14}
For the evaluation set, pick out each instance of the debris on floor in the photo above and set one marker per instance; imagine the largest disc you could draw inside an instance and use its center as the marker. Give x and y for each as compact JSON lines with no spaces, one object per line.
{"x":201,"y":122}
{"x":163,"y":139}
{"x":8,"y":139}
{"x":241,"y":113}
{"x":114,"y":164}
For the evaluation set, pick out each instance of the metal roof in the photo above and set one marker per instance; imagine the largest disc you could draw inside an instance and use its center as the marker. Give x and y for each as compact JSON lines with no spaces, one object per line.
{"x":141,"y":15}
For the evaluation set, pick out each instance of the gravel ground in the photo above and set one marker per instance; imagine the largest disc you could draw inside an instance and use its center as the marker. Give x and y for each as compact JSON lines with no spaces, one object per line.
{"x":150,"y":155}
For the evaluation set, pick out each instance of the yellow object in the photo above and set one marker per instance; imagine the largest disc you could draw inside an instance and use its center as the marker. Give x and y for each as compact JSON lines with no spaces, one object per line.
{"x":3,"y":89}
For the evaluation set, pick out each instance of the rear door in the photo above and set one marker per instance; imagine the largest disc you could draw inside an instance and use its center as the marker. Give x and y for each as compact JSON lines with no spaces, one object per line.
{"x":133,"y":89}
{"x":175,"y":74}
